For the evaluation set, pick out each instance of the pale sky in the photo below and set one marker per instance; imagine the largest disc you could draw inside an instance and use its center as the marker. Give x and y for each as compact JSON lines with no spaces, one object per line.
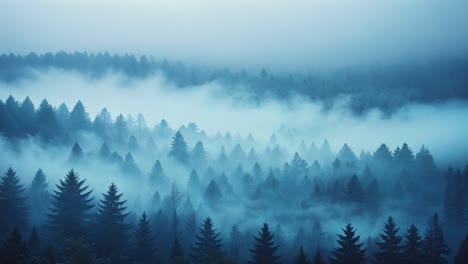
{"x":280,"y":33}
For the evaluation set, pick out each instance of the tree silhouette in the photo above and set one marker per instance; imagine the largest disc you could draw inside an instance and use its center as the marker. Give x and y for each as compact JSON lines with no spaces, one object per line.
{"x":38,"y":198}
{"x":389,"y":248}
{"x":144,"y":241}
{"x":349,"y":250}
{"x":111,"y":228}
{"x":462,"y":255}
{"x":68,"y":216}
{"x":179,"y":148}
{"x":15,"y":249}
{"x":434,"y":245}
{"x":12,"y":202}
{"x":207,"y":245}
{"x":318,"y":257}
{"x":177,"y":255}
{"x":264,"y":251}
{"x":79,"y":118}
{"x":76,"y":153}
{"x":412,"y":248}
{"x":302,"y":258}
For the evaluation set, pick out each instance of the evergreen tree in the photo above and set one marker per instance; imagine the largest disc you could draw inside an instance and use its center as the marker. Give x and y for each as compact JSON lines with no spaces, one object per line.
{"x":264,"y":251}
{"x":193,"y":181}
{"x":207,"y":245}
{"x":355,"y":192}
{"x":177,"y":255}
{"x":34,"y":244}
{"x":462,"y":255}
{"x":129,"y":166}
{"x":212,"y":192}
{"x":144,"y":241}
{"x":318,"y":257}
{"x":347,"y":155}
{"x":48,"y":128}
{"x":12,"y":202}
{"x":133,"y":143}
{"x":454,"y":202}
{"x":102,"y":123}
{"x":349,"y":250}
{"x":157,"y":174}
{"x":121,"y":129}
{"x":412,"y":248}
{"x":425,"y":162}
{"x":389,"y":248}
{"x":14,"y":250}
{"x":76,"y":251}
{"x":179,"y":148}
{"x":76,"y":153}
{"x":302,"y":258}
{"x":69,"y":215}
{"x":79,"y":118}
{"x":27,"y":117}
{"x":38,"y":198}
{"x":104,"y":152}
{"x":434,"y":245}
{"x":383,"y":156}
{"x":111,"y":229}
{"x":404,"y":157}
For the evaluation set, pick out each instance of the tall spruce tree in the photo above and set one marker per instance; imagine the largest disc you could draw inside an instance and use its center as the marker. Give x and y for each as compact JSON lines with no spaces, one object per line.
{"x":389,"y":248}
{"x":38,"y":198}
{"x":264,"y":251}
{"x":177,"y":255}
{"x":12,"y":202}
{"x":144,"y":250}
{"x":179,"y":148}
{"x":349,"y":250}
{"x":69,"y":215}
{"x":207,"y":245}
{"x":412,"y":248}
{"x":111,"y":228}
{"x":435,"y":248}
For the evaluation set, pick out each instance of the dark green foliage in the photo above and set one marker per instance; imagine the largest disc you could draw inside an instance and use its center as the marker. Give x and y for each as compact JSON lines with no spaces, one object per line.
{"x":207,"y":245}
{"x":302,"y":258}
{"x":111,"y":229}
{"x":412,"y":248}
{"x":179,"y":148}
{"x":389,"y":247}
{"x":264,"y":251}
{"x":349,"y":250}
{"x":12,"y":202}
{"x":14,"y":250}
{"x":435,"y":248}
{"x":144,"y":250}
{"x":71,"y":203}
{"x":462,"y":254}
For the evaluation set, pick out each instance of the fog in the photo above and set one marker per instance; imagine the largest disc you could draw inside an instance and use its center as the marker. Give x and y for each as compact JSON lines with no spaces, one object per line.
{"x":243,"y":33}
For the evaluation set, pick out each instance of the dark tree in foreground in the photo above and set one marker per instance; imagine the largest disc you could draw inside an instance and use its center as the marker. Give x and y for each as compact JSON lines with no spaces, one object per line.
{"x":462,"y":254}
{"x":302,"y":258}
{"x":412,"y":248}
{"x":264,"y":251}
{"x":177,"y":255}
{"x":207,"y":247}
{"x":179,"y":148}
{"x":14,"y":250}
{"x":318,"y":257}
{"x":112,"y":231}
{"x":144,"y":241}
{"x":69,"y":215}
{"x":12,"y":202}
{"x":389,"y":249}
{"x":434,"y":246}
{"x":349,"y":250}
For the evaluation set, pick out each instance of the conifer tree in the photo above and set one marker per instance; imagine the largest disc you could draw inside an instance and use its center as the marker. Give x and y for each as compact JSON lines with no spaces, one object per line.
{"x":318,"y":257}
{"x":462,"y":254}
{"x":212,"y":192}
{"x":389,"y":249}
{"x":38,"y":198}
{"x":355,"y":191}
{"x":130,"y":167}
{"x":27,"y":117}
{"x":71,"y":203}
{"x":15,"y":249}
{"x":47,"y":122}
{"x":454,"y":202}
{"x":264,"y":251}
{"x":207,"y":245}
{"x":177,"y":255}
{"x":144,"y":241}
{"x":79,"y":118}
{"x":111,"y":228}
{"x":349,"y":250}
{"x":179,"y":148}
{"x":12,"y":202}
{"x":34,"y":244}
{"x":435,"y":248}
{"x":302,"y":258}
{"x":76,"y":153}
{"x":412,"y":248}
{"x":157,"y":174}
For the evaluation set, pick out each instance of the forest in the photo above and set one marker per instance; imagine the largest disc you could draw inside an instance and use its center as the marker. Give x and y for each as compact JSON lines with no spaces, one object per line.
{"x":77,"y":189}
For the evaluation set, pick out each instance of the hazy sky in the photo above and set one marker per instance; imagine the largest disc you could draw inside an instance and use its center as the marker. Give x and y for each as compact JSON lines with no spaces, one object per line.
{"x":289,"y":33}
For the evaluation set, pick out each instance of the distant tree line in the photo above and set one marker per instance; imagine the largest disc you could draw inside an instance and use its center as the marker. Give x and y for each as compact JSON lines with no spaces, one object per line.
{"x":383,"y":87}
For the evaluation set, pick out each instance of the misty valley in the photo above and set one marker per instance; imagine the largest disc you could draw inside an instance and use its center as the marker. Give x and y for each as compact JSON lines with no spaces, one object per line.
{"x":118,"y":188}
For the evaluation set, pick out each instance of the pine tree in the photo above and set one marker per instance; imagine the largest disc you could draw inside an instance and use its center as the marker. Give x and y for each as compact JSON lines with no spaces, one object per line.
{"x":121,"y":129}
{"x":27,"y":117}
{"x":383,"y":156}
{"x":179,"y":148}
{"x":454,"y":202}
{"x":79,"y":118}
{"x":130,"y":167}
{"x":412,"y":248}
{"x":38,"y":198}
{"x":47,"y":122}
{"x":207,"y":245}
{"x":144,"y":241}
{"x":177,"y":255}
{"x":302,"y":258}
{"x":12,"y":202}
{"x":434,"y":245}
{"x":212,"y":192}
{"x":318,"y":257}
{"x":111,"y":229}
{"x":347,"y":155}
{"x":76,"y":153}
{"x":69,"y":215}
{"x":157,"y":174}
{"x":349,"y":250}
{"x":34,"y":243}
{"x":389,"y":248}
{"x":354,"y":191}
{"x":404,"y":157}
{"x":462,"y":255}
{"x":14,"y":249}
{"x":264,"y":251}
